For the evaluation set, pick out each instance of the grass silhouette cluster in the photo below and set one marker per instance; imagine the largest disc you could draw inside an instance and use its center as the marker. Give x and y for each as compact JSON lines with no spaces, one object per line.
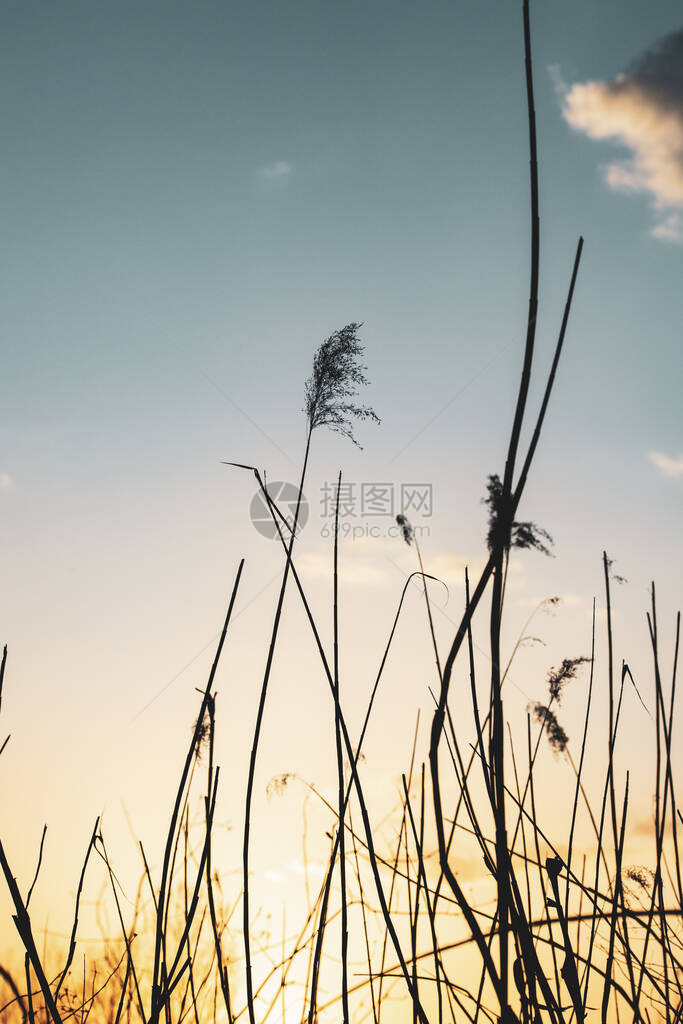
{"x":550,"y":940}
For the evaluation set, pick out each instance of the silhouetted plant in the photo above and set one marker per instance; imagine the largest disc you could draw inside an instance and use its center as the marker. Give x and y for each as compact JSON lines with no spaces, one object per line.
{"x":506,"y":532}
{"x":546,"y":717}
{"x":559,"y":677}
{"x":544,"y":714}
{"x":336,"y":379}
{"x":520,"y":932}
{"x":337,"y":375}
{"x":278,"y":785}
{"x":615,"y":577}
{"x":642,"y":876}
{"x":201,"y":730}
{"x":406,"y":528}
{"x":410,"y":537}
{"x":642,"y":881}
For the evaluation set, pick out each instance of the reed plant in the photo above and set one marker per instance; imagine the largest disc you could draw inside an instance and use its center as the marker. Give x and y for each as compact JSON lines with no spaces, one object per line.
{"x":558,"y":928}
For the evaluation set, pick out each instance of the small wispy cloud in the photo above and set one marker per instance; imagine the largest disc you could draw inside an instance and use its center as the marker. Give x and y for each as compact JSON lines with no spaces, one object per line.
{"x":276,"y":171}
{"x":668,"y":465}
{"x":670,"y":228}
{"x":642,"y":109}
{"x":6,"y":482}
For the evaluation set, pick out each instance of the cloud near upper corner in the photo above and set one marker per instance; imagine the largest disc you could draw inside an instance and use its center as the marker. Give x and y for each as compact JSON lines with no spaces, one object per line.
{"x":642,"y":109}
{"x":668,"y":466}
{"x":276,"y":171}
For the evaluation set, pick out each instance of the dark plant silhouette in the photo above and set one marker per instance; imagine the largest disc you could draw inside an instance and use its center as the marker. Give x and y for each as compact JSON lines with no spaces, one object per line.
{"x":503,"y":530}
{"x":279,"y":783}
{"x":335,"y":381}
{"x":406,"y":529}
{"x":544,"y":714}
{"x":615,"y":577}
{"x":410,"y":537}
{"x":530,"y":938}
{"x":559,"y":677}
{"x":569,"y":972}
{"x":642,"y":876}
{"x":201,"y":730}
{"x":337,"y":375}
{"x":547,"y":718}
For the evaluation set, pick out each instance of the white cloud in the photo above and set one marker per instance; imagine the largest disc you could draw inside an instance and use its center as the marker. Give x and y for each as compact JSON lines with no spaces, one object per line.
{"x":276,"y":171}
{"x":668,"y":466}
{"x":641,"y":109}
{"x":670,"y":228}
{"x":556,"y":77}
{"x":6,"y":482}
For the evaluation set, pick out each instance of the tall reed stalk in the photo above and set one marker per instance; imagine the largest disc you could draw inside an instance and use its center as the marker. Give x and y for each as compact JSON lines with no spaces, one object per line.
{"x":556,"y":943}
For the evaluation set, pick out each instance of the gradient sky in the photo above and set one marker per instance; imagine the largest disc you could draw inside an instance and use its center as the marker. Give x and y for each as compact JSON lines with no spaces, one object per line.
{"x":195,"y":196}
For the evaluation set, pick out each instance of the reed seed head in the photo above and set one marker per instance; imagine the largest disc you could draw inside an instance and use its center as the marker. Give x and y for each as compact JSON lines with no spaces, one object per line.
{"x":406,"y":528}
{"x":337,"y":376}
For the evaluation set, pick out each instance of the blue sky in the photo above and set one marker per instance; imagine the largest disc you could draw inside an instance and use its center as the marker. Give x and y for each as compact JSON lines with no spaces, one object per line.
{"x":193,"y":198}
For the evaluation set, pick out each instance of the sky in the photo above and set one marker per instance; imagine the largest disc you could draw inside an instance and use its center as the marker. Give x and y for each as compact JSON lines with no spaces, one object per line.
{"x":193,"y":197}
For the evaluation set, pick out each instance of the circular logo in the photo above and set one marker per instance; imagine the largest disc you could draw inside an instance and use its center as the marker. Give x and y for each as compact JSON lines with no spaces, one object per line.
{"x":284,"y":498}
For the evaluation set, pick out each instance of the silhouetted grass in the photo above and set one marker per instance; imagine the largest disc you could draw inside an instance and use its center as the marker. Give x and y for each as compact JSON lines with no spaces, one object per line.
{"x":546,"y":942}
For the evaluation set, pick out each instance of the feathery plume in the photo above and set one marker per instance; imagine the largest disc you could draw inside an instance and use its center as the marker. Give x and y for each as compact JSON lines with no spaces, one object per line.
{"x":334,"y":383}
{"x":546,"y":717}
{"x":559,"y":677}
{"x":511,"y":534}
